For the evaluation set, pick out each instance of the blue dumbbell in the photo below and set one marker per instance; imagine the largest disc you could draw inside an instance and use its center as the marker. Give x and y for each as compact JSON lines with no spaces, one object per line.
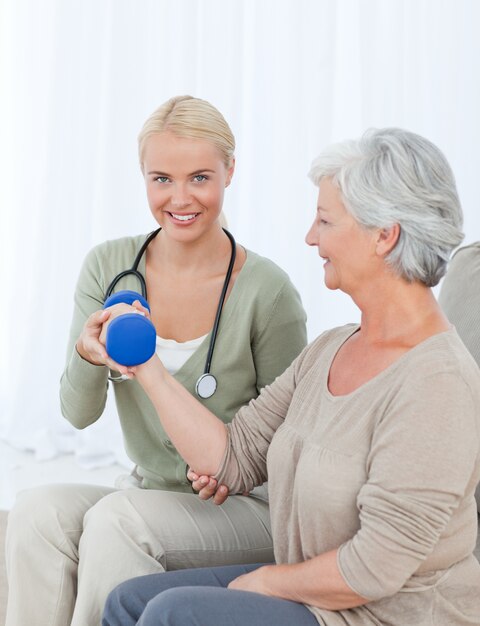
{"x":131,"y":338}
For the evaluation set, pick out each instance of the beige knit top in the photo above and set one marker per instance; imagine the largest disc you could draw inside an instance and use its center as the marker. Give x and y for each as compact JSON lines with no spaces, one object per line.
{"x":386,"y":473}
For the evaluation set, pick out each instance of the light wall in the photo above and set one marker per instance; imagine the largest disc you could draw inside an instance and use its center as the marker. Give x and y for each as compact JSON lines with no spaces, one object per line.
{"x":78,"y":78}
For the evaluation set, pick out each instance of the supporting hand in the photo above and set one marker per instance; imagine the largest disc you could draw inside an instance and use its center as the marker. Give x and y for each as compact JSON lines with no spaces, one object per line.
{"x":256,"y":581}
{"x":208,"y":487}
{"x":121,"y":309}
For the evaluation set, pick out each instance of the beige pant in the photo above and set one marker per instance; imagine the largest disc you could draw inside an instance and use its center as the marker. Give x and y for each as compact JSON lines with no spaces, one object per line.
{"x":69,"y":545}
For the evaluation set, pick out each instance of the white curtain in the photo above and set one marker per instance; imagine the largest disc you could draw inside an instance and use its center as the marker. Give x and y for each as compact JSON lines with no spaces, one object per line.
{"x":77,"y":80}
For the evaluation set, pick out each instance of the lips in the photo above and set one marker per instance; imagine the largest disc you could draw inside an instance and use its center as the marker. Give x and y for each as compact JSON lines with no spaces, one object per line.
{"x":183,"y":218}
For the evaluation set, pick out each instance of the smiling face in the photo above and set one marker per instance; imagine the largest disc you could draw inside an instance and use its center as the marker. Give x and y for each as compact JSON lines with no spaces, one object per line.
{"x":349,"y":249}
{"x":185,"y":180}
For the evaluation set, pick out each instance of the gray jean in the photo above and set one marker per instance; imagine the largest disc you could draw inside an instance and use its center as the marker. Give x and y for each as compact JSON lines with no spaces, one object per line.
{"x":199,"y":597}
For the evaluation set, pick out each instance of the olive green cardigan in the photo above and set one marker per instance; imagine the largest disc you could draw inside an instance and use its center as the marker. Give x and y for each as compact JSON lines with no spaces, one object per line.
{"x":262,"y":329}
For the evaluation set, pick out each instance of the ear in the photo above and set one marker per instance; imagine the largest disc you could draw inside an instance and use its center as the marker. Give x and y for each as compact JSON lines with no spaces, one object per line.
{"x":387,"y":239}
{"x":230,"y":171}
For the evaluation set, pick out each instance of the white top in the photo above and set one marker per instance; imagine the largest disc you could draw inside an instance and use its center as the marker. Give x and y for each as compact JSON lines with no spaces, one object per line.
{"x":174,"y":354}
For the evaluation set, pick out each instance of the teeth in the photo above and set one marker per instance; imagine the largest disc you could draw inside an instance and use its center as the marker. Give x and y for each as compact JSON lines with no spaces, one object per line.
{"x":184,"y":218}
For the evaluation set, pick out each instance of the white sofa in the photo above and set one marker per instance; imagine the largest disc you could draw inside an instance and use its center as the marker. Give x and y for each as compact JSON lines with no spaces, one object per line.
{"x":460,"y":299}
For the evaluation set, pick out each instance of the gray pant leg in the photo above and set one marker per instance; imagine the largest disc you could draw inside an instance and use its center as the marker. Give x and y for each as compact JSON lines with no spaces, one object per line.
{"x":199,"y":597}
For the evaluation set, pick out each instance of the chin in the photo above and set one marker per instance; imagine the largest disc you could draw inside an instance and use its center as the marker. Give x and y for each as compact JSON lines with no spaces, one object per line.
{"x":331,"y":287}
{"x":330,"y":282}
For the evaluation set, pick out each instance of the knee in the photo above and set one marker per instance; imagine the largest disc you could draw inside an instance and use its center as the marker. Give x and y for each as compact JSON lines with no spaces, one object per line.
{"x":126,"y":603}
{"x":120,"y":608}
{"x":175,"y":607}
{"x":36,"y":513}
{"x":110,"y":516}
{"x":124,"y":608}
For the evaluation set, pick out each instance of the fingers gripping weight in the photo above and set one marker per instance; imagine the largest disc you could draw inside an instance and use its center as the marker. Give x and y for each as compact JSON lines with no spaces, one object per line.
{"x":131,"y":337}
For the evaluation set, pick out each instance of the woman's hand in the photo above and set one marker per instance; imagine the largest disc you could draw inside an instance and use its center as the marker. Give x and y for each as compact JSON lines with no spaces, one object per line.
{"x":316,"y":581}
{"x":91,"y":343}
{"x":88,"y":345}
{"x":208,"y":487}
{"x":256,"y":581}
{"x":120,"y":309}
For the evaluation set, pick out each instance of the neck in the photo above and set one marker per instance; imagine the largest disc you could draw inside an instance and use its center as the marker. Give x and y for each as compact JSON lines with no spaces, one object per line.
{"x":199,"y":256}
{"x":393,"y":309}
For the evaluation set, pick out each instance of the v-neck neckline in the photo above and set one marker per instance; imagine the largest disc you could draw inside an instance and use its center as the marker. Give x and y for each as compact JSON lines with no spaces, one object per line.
{"x":197,"y":360}
{"x":381,"y":375}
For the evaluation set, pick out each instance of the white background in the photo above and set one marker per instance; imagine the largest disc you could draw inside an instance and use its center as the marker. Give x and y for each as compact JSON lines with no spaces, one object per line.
{"x":79,"y":77}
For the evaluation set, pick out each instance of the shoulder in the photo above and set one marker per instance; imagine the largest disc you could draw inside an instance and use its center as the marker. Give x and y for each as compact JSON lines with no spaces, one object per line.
{"x":106,"y":260}
{"x":332,"y":338}
{"x":120,"y":250}
{"x":444,"y":351}
{"x":264,"y":298}
{"x":436,"y":389}
{"x":442,"y":370}
{"x":113,"y":256}
{"x":320,"y":352}
{"x":265,"y":271}
{"x":265,"y":283}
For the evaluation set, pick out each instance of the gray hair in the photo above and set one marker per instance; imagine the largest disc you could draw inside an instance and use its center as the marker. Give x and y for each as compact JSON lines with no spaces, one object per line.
{"x":392,"y":176}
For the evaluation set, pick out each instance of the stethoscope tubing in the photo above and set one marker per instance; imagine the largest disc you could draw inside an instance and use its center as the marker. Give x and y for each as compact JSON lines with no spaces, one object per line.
{"x":206,"y":380}
{"x":134,"y":269}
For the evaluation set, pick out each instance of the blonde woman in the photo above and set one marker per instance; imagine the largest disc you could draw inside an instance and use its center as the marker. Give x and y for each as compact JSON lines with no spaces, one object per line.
{"x":69,"y":545}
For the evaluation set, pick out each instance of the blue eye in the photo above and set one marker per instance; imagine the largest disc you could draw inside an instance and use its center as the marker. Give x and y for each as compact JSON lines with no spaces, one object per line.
{"x":199,"y":178}
{"x":161,"y":179}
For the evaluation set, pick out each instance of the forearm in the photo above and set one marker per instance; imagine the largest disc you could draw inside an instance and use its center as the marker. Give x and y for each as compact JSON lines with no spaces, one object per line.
{"x":199,"y":436}
{"x":317,"y":582}
{"x":83,"y":391}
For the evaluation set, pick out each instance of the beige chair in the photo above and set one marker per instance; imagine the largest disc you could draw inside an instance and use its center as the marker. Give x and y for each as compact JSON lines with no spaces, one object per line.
{"x":460,"y":299}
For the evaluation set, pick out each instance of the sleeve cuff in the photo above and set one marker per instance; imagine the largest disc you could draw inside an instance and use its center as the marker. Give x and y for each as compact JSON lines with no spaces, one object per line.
{"x":85,"y":372}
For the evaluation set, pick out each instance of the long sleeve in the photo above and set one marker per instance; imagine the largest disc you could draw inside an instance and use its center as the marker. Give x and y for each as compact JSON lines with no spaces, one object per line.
{"x":252,"y":349}
{"x":250,"y":433}
{"x":415,"y":482}
{"x":384,"y":475}
{"x":83,"y":386}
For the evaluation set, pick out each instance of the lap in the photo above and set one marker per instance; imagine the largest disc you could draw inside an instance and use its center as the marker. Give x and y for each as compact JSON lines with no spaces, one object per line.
{"x":64,"y":503}
{"x":192,"y":532}
{"x":183,"y":531}
{"x":141,"y":590}
{"x":198,"y":597}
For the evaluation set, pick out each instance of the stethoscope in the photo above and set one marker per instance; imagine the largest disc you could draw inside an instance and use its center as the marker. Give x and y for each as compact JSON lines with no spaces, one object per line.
{"x":206,"y":384}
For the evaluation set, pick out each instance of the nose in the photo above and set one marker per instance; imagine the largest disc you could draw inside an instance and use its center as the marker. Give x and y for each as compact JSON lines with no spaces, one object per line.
{"x":311,"y":238}
{"x":180,"y":197}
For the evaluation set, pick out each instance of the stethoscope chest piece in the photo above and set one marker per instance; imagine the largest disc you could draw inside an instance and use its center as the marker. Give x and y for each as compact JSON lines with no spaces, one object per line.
{"x":206,"y":386}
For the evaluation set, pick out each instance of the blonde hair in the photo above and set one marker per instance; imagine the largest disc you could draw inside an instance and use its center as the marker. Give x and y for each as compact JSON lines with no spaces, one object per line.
{"x":192,"y":118}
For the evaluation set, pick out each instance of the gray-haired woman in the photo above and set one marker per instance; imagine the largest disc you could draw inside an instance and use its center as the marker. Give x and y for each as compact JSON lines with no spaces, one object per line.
{"x":370,"y":439}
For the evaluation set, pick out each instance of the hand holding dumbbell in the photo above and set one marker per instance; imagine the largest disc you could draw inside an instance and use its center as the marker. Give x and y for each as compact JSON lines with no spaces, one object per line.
{"x":130,"y":337}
